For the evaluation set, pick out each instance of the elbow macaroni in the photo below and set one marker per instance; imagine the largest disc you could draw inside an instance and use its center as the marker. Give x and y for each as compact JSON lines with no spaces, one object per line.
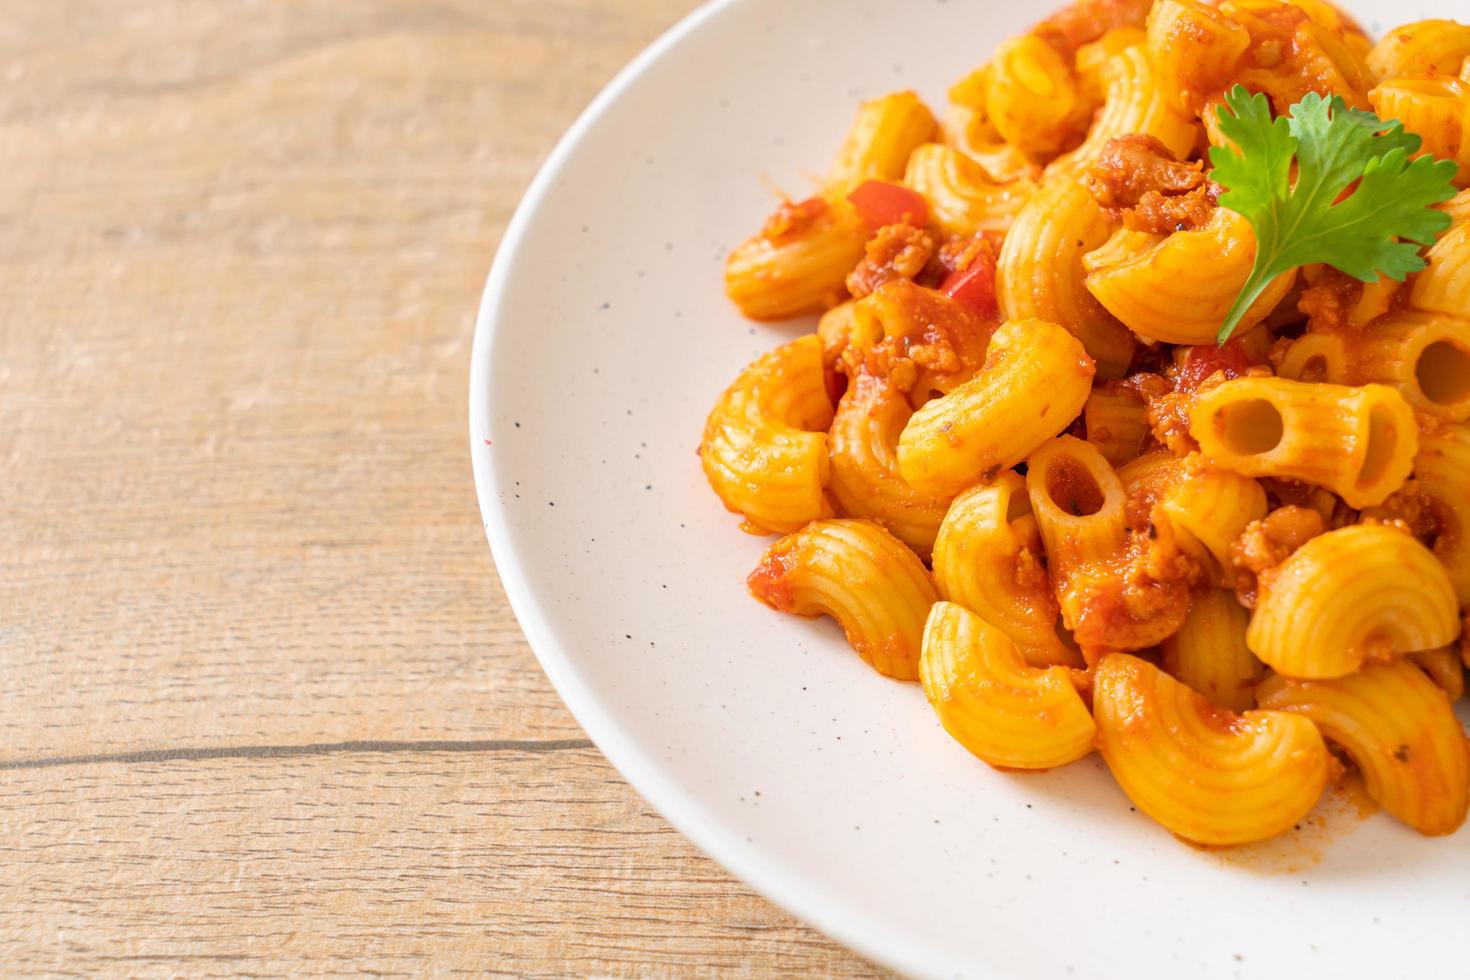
{"x":1349,"y":596}
{"x":860,"y":575}
{"x":969,"y":130}
{"x":1444,"y":287}
{"x":1315,"y":357}
{"x":1457,"y":207}
{"x":1040,"y":276}
{"x":1424,"y":356}
{"x":1426,"y":47}
{"x":865,"y":480}
{"x":993,"y":421}
{"x":886,"y":131}
{"x":1031,"y":95}
{"x":801,"y":271}
{"x":1443,"y":666}
{"x":1436,"y":107}
{"x":1399,"y":729}
{"x":1135,"y":104}
{"x":1209,"y":652}
{"x":1321,"y":54}
{"x":1180,"y":289}
{"x":988,"y":559}
{"x":922,"y":340}
{"x":1195,"y":48}
{"x":1093,"y":59}
{"x":1357,"y":442}
{"x":1015,"y":381}
{"x":1442,"y":470}
{"x":1078,"y":501}
{"x":1108,"y":596}
{"x":763,"y":450}
{"x":1003,"y":711}
{"x":1209,"y":508}
{"x":962,"y":196}
{"x":1205,"y":773}
{"x":1117,"y":424}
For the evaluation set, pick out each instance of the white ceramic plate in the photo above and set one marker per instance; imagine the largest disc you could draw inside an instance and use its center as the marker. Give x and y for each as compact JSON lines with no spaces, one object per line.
{"x":602,"y":341}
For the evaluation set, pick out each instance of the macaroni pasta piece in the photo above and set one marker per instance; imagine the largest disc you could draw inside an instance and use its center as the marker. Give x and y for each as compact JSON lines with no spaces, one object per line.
{"x":797,"y":267}
{"x":1315,"y":357}
{"x":1209,"y":508}
{"x":1425,"y":47}
{"x":1078,"y":501}
{"x":1003,"y":711}
{"x":1117,"y":424}
{"x":764,"y":451}
{"x":1436,"y":108}
{"x":887,"y":130}
{"x":1150,"y":475}
{"x":1205,"y":773}
{"x":799,"y":263}
{"x":1210,"y":119}
{"x":1378,"y":298}
{"x":962,"y":196}
{"x":1444,"y":287}
{"x":924,"y":341}
{"x":1195,"y":49}
{"x":1357,"y":594}
{"x":1337,"y":58}
{"x":1302,"y":47}
{"x":1209,"y":652}
{"x":1398,"y":728}
{"x":1074,"y":26}
{"x":860,"y":575}
{"x":1323,"y":14}
{"x":1357,"y":442}
{"x":1039,"y":274}
{"x":1457,"y":207}
{"x":1092,"y":61}
{"x":1425,"y":356}
{"x":834,"y":330}
{"x":1180,"y":289}
{"x":1123,"y":245}
{"x":1035,"y":380}
{"x":1203,"y":509}
{"x":1136,"y":104}
{"x":969,"y":130}
{"x":1031,"y":95}
{"x":1442,"y":470}
{"x":1443,"y":666}
{"x":1108,"y":596}
{"x":988,"y":558}
{"x":865,"y":480}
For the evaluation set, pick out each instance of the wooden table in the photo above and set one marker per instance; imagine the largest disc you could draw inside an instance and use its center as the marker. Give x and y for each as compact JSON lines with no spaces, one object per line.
{"x":263,"y":706}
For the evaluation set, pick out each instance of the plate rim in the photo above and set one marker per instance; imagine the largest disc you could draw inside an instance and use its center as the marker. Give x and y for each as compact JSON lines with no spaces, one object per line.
{"x":863,"y":934}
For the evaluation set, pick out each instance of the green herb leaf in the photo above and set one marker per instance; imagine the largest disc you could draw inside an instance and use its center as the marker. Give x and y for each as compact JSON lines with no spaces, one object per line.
{"x":1376,"y":230}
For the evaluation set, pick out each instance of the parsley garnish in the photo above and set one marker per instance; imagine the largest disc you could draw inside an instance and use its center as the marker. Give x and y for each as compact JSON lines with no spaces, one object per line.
{"x":1376,"y":230}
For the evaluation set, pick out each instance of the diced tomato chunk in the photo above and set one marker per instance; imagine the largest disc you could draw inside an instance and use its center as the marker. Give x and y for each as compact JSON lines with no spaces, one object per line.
{"x":880,"y":203}
{"x":974,"y":286}
{"x":1204,"y":360}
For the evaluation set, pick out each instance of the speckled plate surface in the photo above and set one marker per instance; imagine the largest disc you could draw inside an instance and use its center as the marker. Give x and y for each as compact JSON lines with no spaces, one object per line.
{"x":603,"y":339}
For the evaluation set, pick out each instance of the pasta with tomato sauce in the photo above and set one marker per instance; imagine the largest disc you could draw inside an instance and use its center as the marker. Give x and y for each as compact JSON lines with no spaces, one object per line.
{"x":1134,"y":418}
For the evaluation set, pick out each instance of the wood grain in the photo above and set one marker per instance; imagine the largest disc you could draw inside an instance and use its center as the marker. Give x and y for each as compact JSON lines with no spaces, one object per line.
{"x":263,"y":707}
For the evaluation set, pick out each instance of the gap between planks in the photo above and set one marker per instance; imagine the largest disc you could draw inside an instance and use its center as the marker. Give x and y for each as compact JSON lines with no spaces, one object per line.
{"x":292,"y":751}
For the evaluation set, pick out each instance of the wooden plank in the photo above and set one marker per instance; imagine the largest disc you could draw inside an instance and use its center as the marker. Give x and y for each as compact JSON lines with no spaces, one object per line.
{"x":509,"y":860}
{"x":240,"y":296}
{"x":241,"y":246}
